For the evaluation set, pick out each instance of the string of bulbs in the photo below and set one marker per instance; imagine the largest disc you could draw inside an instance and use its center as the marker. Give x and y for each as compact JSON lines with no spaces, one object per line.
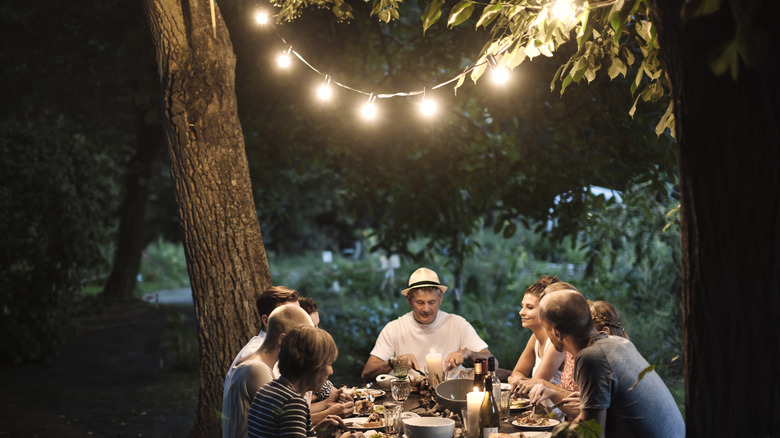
{"x":500,"y":74}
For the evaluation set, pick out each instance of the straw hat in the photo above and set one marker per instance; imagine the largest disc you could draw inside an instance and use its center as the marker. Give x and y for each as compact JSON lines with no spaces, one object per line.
{"x":424,"y":277}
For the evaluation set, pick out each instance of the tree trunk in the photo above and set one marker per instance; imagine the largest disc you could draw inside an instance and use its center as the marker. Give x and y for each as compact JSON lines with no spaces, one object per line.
{"x":222,"y":241}
{"x":729,"y":164}
{"x":130,"y":239}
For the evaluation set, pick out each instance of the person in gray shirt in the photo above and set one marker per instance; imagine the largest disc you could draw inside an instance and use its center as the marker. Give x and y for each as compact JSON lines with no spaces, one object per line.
{"x":606,"y":367}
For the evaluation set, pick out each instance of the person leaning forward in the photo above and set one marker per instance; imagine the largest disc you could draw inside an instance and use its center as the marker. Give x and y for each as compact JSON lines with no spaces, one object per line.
{"x":425,"y":329}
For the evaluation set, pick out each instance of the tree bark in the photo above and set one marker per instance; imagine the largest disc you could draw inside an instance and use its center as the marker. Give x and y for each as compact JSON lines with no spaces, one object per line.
{"x":729,"y":168}
{"x":130,"y":238}
{"x":222,"y":241}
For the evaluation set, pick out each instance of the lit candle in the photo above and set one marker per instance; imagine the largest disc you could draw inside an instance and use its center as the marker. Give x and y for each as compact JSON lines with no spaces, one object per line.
{"x":433,"y":360}
{"x":473,"y":402}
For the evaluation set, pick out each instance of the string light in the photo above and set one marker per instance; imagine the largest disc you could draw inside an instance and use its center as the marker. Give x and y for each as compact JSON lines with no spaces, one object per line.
{"x":324,"y":92}
{"x":563,"y":10}
{"x":427,"y":106}
{"x":369,"y":109}
{"x":261,"y":17}
{"x":284,"y":59}
{"x":500,"y":73}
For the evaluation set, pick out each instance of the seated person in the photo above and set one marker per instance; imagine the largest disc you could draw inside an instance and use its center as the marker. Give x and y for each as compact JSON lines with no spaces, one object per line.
{"x":425,"y":329}
{"x":270,"y":299}
{"x":540,"y":359}
{"x":255,"y":370}
{"x":279,"y":408}
{"x":605,"y":368}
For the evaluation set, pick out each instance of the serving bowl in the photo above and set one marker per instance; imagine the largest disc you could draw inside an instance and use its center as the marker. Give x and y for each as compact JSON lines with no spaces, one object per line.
{"x":429,"y":427}
{"x":451,"y":394}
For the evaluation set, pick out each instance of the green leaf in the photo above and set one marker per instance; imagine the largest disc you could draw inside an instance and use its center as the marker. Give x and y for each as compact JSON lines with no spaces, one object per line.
{"x":644,"y":30}
{"x":706,"y":7}
{"x":510,"y":230}
{"x":726,"y":58}
{"x":460,"y":13}
{"x":431,"y":14}
{"x":565,"y":83}
{"x":666,"y":122}
{"x":384,"y":15}
{"x":617,"y":67}
{"x":489,"y":14}
{"x":642,"y":375}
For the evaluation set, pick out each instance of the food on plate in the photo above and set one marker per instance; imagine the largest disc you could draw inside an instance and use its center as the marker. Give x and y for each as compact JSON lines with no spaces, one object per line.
{"x":374,"y":420}
{"x":531,"y":419}
{"x":507,"y":435}
{"x":520,"y":403}
{"x":364,"y":407}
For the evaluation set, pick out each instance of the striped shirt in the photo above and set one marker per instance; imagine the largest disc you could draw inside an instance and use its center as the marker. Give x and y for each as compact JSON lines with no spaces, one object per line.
{"x":279,"y":411}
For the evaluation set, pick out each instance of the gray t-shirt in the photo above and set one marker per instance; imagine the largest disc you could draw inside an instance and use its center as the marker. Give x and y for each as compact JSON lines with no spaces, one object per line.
{"x":604,"y":370}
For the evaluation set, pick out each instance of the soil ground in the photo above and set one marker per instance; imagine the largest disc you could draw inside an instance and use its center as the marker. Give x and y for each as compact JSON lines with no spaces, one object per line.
{"x":107,"y":381}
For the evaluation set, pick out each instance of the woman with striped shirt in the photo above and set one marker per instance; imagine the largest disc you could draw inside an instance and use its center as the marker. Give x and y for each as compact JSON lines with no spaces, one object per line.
{"x":279,"y":409}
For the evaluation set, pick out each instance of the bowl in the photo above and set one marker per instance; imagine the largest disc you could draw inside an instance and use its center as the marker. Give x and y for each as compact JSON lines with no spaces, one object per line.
{"x":429,"y":427}
{"x":383,"y":381}
{"x":451,"y":394}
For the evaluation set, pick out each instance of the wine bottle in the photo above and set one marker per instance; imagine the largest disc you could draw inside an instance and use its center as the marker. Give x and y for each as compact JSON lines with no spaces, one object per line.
{"x":479,"y":376}
{"x":489,"y":416}
{"x":491,"y":373}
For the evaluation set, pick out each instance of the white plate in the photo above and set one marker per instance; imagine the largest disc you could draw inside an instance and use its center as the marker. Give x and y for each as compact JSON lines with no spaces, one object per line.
{"x":405,"y":415}
{"x":364,"y":392}
{"x":517,"y":408}
{"x":356,"y":423}
{"x":551,"y":422}
{"x":529,"y":434}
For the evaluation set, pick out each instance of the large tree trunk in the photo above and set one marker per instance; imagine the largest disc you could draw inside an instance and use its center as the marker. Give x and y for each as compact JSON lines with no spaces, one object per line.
{"x":130,"y":239}
{"x":729,"y":164}
{"x":225,"y":255}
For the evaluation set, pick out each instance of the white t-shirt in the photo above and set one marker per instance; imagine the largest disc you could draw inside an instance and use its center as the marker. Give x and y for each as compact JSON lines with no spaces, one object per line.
{"x":248,"y":349}
{"x":447,"y":333}
{"x":240,"y":390}
{"x":556,"y":377}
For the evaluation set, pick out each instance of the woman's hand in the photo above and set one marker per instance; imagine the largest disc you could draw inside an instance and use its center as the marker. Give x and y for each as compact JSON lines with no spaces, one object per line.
{"x":342,"y":409}
{"x":330,"y":426}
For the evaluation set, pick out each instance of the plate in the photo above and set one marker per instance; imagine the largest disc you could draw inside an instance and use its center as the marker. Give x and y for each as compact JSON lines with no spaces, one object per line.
{"x":551,"y":422}
{"x":366,"y":392}
{"x":506,"y":386}
{"x":529,"y":434}
{"x":356,"y":423}
{"x":519,"y":405}
{"x":405,"y":415}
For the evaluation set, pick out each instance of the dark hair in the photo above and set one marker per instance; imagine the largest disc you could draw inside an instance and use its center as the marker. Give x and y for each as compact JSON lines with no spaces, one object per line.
{"x":568,"y":312}
{"x":272,"y":298}
{"x":606,"y":316}
{"x":306,"y":350}
{"x":308,"y":304}
{"x":427,"y":289}
{"x":538,"y":287}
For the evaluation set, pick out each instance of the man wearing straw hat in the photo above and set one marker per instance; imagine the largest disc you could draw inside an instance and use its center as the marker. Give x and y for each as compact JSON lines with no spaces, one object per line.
{"x":425,"y":329}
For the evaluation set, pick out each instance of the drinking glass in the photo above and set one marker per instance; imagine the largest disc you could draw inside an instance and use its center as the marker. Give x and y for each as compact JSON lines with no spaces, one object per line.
{"x":392,"y":417}
{"x":400,"y":366}
{"x":400,"y":388}
{"x":506,"y":397}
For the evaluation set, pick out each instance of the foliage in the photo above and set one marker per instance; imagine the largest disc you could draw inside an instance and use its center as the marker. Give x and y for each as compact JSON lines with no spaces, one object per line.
{"x":163,"y":267}
{"x":587,"y":429}
{"x":57,"y":190}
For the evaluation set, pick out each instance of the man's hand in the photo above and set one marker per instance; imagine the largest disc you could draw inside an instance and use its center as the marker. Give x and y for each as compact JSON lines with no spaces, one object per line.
{"x":456,"y":358}
{"x":412,"y":362}
{"x":342,"y":409}
{"x":540,"y":392}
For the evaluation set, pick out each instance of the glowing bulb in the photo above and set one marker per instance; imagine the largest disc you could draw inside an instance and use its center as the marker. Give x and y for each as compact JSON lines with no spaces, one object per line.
{"x":261,"y":17}
{"x":500,"y":75}
{"x":369,"y":110}
{"x":563,"y":10}
{"x":428,"y":107}
{"x":284,"y":60}
{"x":324,"y":92}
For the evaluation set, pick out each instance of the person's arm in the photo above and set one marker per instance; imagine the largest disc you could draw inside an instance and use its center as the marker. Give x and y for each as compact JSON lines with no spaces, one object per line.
{"x":588,"y":414}
{"x":524,"y":365}
{"x":458,"y":357}
{"x":552,"y":360}
{"x":545,"y":390}
{"x":374,"y":367}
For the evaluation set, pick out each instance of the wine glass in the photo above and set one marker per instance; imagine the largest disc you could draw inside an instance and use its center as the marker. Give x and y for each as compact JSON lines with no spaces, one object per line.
{"x":400,"y":389}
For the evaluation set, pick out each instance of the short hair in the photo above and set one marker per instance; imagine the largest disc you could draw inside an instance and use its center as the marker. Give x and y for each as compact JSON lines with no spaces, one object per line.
{"x":557,"y":286}
{"x":568,"y":311}
{"x":538,"y":287}
{"x":605,"y":315}
{"x":272,"y":298}
{"x":410,"y":295}
{"x":306,"y":350}
{"x":308,"y":304}
{"x":283,"y":319}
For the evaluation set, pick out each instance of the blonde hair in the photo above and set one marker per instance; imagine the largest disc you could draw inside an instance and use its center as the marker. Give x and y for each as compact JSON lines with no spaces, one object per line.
{"x":305,"y":350}
{"x":283,"y":319}
{"x":606,"y":317}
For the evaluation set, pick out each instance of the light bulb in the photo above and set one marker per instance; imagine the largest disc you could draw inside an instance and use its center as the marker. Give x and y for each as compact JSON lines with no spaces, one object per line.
{"x":500,"y":75}
{"x":324,"y":92}
{"x":563,"y":10}
{"x":428,"y":107}
{"x":283,"y":60}
{"x":369,"y":110}
{"x":261,"y":17}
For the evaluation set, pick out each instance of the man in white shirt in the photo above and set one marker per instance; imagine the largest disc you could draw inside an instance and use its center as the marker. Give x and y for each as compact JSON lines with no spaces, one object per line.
{"x":269,"y":300}
{"x":425,"y":329}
